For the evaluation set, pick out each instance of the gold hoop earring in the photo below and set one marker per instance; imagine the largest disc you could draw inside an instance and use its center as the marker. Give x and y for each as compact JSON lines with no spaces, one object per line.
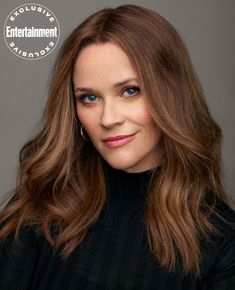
{"x":82,"y":134}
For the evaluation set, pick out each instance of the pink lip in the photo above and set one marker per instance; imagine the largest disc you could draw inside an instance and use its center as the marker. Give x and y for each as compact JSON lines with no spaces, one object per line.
{"x":119,"y":140}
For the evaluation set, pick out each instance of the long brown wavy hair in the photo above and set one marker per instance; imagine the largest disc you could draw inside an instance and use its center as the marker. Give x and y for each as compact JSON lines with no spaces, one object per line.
{"x":60,"y":182}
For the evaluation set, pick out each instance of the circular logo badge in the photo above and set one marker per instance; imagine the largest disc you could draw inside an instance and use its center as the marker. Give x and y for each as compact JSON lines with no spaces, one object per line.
{"x":31,"y":31}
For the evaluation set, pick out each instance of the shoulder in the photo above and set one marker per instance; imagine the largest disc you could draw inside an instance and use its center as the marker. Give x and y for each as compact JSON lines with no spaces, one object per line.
{"x":18,"y":259}
{"x":219,"y":251}
{"x":28,"y":240}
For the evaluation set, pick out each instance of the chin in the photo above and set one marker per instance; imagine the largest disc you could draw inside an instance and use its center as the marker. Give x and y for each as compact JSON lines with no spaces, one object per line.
{"x":127,"y":165}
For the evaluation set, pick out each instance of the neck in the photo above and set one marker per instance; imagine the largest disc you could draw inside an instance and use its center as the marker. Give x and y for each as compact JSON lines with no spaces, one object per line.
{"x":127,"y":190}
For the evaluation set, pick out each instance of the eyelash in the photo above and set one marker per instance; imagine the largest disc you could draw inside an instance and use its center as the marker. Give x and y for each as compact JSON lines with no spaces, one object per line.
{"x":82,"y":97}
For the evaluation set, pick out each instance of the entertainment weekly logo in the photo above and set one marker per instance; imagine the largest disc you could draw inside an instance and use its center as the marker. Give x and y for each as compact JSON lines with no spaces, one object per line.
{"x":31,"y":31}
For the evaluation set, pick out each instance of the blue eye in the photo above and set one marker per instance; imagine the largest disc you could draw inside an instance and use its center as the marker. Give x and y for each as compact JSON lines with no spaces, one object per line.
{"x":91,"y":99}
{"x":88,"y":98}
{"x":132,"y":90}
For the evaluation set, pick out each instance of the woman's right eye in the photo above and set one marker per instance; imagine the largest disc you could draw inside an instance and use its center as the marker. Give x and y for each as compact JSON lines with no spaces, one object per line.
{"x":87,"y":99}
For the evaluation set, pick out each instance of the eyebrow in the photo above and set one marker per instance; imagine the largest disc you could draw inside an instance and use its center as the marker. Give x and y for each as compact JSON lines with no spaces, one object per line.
{"x":117,"y":85}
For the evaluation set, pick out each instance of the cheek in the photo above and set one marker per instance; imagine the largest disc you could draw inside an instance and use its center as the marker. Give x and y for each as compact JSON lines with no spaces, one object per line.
{"x":142,"y":115}
{"x":145,"y":118}
{"x":87,"y":119}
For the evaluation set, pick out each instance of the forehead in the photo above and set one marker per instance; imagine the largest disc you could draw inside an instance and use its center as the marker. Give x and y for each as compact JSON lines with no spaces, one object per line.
{"x":106,"y":62}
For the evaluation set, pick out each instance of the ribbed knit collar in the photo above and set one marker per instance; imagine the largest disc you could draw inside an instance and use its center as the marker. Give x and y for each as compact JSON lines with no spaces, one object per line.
{"x":126,"y":191}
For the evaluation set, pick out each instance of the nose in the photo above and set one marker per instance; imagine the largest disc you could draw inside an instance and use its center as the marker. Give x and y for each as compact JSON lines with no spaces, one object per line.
{"x":111,"y":114}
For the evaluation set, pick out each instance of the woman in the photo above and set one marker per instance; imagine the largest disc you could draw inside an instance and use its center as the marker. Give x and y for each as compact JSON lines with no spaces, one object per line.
{"x":121,"y":189}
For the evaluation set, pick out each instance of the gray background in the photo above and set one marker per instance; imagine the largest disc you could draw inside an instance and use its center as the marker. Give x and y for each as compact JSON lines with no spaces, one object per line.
{"x":207,"y":27}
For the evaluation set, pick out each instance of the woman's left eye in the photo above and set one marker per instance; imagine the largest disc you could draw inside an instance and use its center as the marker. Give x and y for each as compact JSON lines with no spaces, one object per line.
{"x":132,"y":91}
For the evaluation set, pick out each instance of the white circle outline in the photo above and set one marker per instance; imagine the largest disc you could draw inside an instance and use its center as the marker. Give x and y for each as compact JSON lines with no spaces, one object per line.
{"x":52,"y":15}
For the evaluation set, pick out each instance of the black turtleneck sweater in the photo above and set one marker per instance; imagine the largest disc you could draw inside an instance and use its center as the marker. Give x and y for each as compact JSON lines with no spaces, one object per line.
{"x":114,"y":253}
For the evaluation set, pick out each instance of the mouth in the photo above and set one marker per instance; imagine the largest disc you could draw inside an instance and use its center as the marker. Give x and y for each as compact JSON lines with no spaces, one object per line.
{"x":119,"y":140}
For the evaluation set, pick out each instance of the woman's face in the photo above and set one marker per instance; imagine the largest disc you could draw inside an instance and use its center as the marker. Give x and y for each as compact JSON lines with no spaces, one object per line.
{"x":107,"y":109}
